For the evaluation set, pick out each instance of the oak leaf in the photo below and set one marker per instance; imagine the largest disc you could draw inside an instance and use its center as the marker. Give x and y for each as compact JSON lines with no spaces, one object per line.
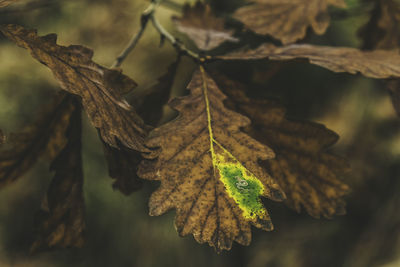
{"x":96,"y":85}
{"x":122,"y":165}
{"x":209,"y":170}
{"x":307,"y":174}
{"x":60,"y":223}
{"x":374,"y":64}
{"x":203,"y":27}
{"x":287,"y":20}
{"x":46,"y":136}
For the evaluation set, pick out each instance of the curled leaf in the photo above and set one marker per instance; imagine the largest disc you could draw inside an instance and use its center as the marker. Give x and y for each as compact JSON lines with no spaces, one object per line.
{"x":306,"y":172}
{"x":100,"y":88}
{"x":46,"y":136}
{"x":209,"y":170}
{"x":203,"y":27}
{"x":378,"y":64}
{"x":60,"y":223}
{"x":287,"y":20}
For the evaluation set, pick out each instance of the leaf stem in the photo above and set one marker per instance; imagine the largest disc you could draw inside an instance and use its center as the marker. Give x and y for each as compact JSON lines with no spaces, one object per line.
{"x":144,"y":19}
{"x":179,"y":46}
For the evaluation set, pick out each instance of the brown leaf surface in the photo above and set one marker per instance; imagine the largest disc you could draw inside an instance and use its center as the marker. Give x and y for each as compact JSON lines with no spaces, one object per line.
{"x":374,"y":64}
{"x":60,"y":223}
{"x":122,"y":167}
{"x":287,"y":20}
{"x":46,"y":136}
{"x":195,"y":147}
{"x":203,"y":27}
{"x":100,"y":88}
{"x":307,"y":174}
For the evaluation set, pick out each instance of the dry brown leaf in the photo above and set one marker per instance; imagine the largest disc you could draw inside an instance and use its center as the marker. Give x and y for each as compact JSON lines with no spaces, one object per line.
{"x":96,"y":85}
{"x":287,"y":20}
{"x":382,"y":30}
{"x":203,"y":27}
{"x":4,"y":3}
{"x":209,"y":170}
{"x":307,"y":174}
{"x":122,"y":167}
{"x":46,"y":136}
{"x":374,"y":64}
{"x":60,"y":223}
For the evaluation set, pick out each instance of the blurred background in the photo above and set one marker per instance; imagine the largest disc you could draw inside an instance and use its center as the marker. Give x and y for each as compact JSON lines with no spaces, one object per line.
{"x":119,"y":230}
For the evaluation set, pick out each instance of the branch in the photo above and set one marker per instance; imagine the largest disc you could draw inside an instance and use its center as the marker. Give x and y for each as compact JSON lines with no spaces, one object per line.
{"x":179,"y":46}
{"x":147,"y":15}
{"x":144,"y":19}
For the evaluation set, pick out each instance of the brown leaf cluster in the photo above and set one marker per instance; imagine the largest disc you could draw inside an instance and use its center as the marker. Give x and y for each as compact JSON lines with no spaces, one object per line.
{"x":378,"y":64}
{"x":60,"y":223}
{"x":190,"y":182}
{"x":96,"y":85}
{"x":287,"y":20}
{"x":46,"y":136}
{"x":203,"y":27}
{"x":309,"y":176}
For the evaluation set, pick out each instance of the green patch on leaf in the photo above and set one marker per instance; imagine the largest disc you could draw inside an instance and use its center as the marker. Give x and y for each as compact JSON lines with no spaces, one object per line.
{"x":242,"y":186}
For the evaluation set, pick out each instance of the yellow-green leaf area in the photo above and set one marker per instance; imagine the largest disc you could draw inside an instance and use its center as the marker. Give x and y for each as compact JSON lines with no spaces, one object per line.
{"x":242,"y":186}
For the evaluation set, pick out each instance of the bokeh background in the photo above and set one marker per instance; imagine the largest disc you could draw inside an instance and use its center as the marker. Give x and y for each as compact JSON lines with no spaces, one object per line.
{"x":119,"y":230}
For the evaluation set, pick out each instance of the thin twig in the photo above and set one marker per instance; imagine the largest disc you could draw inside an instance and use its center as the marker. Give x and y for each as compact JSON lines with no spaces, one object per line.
{"x":179,"y":46}
{"x":144,"y":19}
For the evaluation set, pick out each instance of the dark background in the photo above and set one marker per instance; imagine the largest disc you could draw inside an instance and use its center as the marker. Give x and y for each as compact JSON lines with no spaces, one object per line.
{"x":119,"y":230}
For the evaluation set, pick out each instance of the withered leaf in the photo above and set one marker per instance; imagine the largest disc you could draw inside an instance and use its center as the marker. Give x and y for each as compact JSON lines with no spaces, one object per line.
{"x":96,"y":85}
{"x":307,"y":174}
{"x":203,"y":27}
{"x":374,"y":64}
{"x":209,"y":170}
{"x":382,"y":30}
{"x":287,"y":20}
{"x":122,"y":167}
{"x":123,"y":162}
{"x":60,"y":223}
{"x":4,"y":3}
{"x":46,"y":136}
